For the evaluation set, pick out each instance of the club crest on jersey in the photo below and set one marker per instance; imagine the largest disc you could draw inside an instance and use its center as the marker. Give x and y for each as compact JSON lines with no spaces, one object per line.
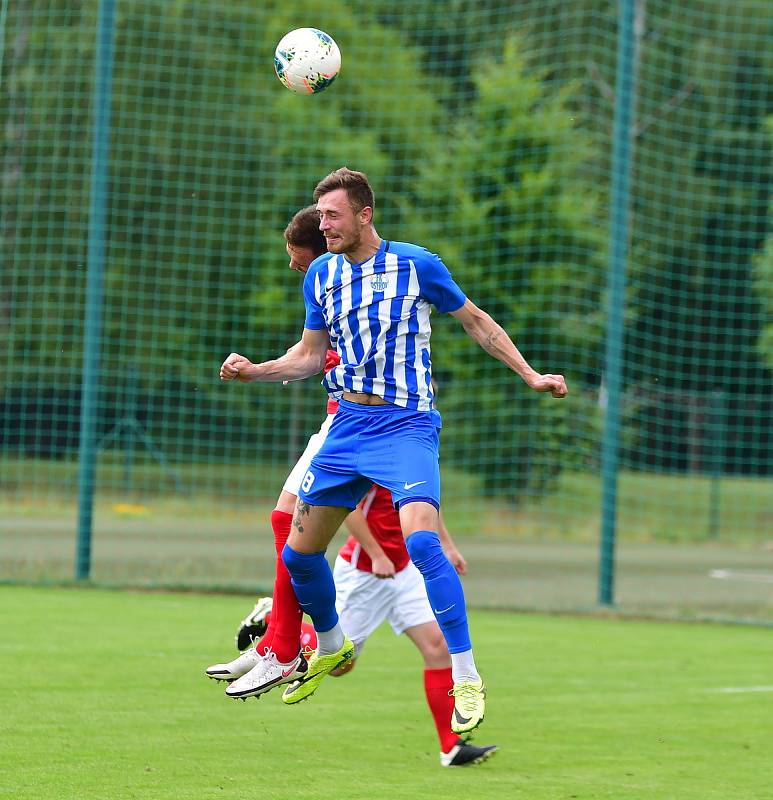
{"x":379,"y":283}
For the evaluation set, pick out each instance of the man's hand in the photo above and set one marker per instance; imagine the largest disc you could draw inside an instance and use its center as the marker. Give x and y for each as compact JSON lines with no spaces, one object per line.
{"x":456,"y":559}
{"x":555,"y":384}
{"x":383,"y":567}
{"x":235,"y":367}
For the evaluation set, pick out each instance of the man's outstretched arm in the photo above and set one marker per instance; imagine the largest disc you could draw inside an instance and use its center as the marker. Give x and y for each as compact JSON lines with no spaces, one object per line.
{"x":493,"y":338}
{"x":302,"y":360}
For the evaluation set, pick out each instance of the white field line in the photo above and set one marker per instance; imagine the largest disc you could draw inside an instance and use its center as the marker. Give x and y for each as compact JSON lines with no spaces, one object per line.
{"x":741,"y":689}
{"x":738,"y":575}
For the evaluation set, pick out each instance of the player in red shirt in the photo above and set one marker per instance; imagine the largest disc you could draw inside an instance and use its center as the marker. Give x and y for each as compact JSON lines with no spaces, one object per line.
{"x":376,"y":581}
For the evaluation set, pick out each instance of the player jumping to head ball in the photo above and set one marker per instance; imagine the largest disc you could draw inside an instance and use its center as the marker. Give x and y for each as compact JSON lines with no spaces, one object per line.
{"x":374,"y":553}
{"x":370,"y":298}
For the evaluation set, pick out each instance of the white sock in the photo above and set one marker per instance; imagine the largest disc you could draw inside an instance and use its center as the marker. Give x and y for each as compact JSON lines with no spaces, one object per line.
{"x":463,"y":667}
{"x":330,"y":641}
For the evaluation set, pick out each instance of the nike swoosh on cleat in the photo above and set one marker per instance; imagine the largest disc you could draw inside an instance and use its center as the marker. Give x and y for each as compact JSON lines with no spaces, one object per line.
{"x":411,"y":485}
{"x":264,"y":688}
{"x":460,"y":718}
{"x":308,"y":675}
{"x":300,"y":680}
{"x":289,"y":672}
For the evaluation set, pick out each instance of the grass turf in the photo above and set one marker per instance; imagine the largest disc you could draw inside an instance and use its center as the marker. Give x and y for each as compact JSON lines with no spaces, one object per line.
{"x":652,"y":507}
{"x":103,"y":697}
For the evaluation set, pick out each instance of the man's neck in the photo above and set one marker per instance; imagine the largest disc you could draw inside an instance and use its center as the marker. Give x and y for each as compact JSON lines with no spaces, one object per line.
{"x":368,"y":247}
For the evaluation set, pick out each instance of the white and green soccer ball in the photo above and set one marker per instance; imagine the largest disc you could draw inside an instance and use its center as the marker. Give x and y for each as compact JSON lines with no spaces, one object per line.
{"x":307,"y":60}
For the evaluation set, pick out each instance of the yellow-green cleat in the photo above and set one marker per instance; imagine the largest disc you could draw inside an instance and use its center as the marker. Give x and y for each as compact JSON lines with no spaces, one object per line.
{"x":319,"y":666}
{"x":469,"y":706}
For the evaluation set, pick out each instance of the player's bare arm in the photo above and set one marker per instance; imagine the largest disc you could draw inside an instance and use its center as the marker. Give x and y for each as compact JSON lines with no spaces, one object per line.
{"x":302,"y":360}
{"x":357,"y":525}
{"x":450,"y":548}
{"x":492,"y":337}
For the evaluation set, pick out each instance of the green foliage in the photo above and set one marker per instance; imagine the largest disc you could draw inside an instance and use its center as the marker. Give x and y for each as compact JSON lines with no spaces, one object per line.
{"x":486,"y":130}
{"x":701,"y":182}
{"x":518,"y":225}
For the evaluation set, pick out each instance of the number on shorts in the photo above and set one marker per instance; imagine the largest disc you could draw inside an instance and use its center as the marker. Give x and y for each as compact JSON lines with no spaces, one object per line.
{"x":308,"y":479}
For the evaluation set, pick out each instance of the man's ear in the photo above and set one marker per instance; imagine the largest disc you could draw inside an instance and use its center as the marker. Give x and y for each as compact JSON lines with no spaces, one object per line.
{"x":366,"y":215}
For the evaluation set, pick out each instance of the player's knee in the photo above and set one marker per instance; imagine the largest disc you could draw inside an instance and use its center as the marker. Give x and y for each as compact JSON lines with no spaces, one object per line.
{"x":425,"y":550}
{"x":300,"y":564}
{"x":285,"y":503}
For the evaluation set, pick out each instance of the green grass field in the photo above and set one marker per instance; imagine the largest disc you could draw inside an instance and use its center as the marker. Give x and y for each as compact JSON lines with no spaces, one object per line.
{"x":103,"y":697}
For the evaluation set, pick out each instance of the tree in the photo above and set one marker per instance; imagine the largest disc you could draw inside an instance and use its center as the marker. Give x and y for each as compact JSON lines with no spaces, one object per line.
{"x":518,"y":225}
{"x":209,"y":158}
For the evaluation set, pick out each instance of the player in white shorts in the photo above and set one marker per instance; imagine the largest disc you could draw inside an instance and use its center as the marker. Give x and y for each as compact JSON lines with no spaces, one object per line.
{"x":376,"y":581}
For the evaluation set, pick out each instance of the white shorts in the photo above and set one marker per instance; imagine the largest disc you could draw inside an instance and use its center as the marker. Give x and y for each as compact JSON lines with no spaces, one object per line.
{"x":293,"y":482}
{"x":363,"y":601}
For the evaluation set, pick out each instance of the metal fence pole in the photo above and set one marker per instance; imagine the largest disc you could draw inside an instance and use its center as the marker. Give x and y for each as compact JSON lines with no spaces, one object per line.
{"x":622,"y":152}
{"x":3,"y":18}
{"x":103,"y":76}
{"x":718,"y":405}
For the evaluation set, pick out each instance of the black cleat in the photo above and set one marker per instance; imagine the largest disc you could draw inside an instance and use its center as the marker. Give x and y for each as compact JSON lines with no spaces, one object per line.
{"x":254,"y":625}
{"x":463,"y":754}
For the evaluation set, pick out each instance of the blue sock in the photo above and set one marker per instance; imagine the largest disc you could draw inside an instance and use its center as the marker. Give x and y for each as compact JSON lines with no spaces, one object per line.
{"x":444,"y":589}
{"x":313,"y":583}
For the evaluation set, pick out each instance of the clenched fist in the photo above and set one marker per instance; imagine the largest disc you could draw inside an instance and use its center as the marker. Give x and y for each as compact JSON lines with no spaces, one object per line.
{"x":236,"y":367}
{"x":555,"y":384}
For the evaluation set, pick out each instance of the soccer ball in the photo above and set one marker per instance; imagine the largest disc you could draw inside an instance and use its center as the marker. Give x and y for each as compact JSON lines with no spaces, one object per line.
{"x":307,"y":60}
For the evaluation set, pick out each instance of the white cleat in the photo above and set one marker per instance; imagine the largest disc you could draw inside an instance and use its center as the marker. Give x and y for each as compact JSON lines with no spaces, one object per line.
{"x":267,"y":674}
{"x":236,"y":668}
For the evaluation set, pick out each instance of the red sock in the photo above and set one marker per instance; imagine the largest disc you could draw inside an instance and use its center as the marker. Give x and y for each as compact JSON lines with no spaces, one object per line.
{"x":286,"y":614}
{"x":280,"y":523}
{"x":437,"y":684}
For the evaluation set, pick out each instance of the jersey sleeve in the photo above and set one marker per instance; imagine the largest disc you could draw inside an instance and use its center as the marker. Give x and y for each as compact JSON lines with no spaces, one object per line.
{"x":315,"y":319}
{"x":436,"y":284}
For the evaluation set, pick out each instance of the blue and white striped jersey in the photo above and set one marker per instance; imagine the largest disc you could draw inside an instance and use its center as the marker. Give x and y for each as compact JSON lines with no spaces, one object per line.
{"x":377,"y":315}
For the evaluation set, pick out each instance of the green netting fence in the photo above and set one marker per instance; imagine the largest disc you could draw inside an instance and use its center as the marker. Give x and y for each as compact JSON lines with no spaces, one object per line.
{"x":596,"y":175}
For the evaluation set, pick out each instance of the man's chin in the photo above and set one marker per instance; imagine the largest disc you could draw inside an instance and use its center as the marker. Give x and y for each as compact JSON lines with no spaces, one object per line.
{"x":335,"y":246}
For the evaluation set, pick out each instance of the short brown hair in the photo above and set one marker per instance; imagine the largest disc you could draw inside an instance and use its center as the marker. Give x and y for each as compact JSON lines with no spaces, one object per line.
{"x":303,"y":231}
{"x":356,"y":184}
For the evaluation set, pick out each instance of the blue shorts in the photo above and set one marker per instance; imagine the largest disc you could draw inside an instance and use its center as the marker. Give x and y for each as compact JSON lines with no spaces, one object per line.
{"x":394,"y":447}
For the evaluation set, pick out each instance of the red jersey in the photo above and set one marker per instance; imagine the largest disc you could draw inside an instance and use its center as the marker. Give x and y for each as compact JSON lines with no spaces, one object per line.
{"x":332,"y":359}
{"x":384,"y":523}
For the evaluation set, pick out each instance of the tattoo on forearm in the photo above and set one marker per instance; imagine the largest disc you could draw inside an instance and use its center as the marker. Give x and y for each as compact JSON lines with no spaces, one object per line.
{"x":492,"y":337}
{"x":302,"y":508}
